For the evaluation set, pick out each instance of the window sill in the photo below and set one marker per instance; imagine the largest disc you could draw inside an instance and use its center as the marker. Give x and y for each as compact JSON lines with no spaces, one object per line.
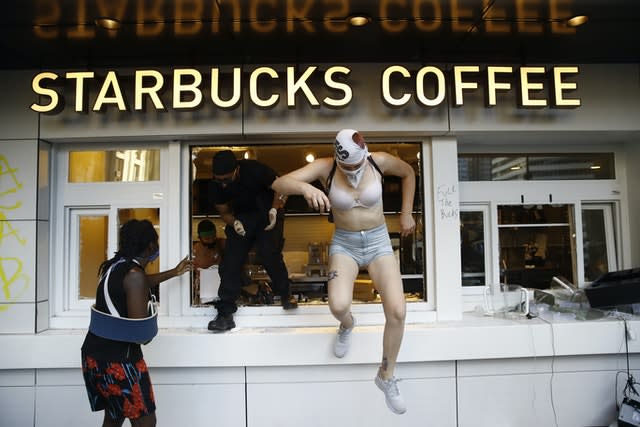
{"x":475,"y":337}
{"x":261,"y":316}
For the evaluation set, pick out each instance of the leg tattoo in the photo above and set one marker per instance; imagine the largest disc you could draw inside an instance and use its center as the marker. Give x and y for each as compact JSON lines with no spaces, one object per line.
{"x":332,"y":275}
{"x":385,"y":364}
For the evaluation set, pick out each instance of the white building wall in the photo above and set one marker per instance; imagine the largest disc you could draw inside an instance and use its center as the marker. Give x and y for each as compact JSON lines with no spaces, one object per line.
{"x":18,"y":239}
{"x":445,"y":206}
{"x":489,"y":372}
{"x":454,"y":375}
{"x":24,"y":210}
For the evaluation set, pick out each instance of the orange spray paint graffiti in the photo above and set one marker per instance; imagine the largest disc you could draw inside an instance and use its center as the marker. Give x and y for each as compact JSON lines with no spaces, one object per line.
{"x":13,"y":281}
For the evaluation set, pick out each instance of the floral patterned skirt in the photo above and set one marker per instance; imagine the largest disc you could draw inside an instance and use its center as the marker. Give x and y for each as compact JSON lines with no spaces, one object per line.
{"x":123,"y":389}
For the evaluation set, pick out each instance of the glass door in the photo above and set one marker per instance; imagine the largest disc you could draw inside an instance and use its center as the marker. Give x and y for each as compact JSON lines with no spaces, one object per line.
{"x":475,"y":246}
{"x":536,"y":243}
{"x":598,"y":241}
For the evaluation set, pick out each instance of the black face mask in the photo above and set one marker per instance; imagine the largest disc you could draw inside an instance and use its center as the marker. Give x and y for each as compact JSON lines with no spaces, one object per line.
{"x":224,"y":182}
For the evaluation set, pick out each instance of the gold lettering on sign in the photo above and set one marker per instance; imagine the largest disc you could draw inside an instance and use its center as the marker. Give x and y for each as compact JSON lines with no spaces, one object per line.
{"x":386,"y":89}
{"x":430,"y":87}
{"x":111,"y":81}
{"x":561,"y":86}
{"x":179,"y":88}
{"x":215,"y":88}
{"x":459,"y":85}
{"x":52,"y":94}
{"x":493,"y":86}
{"x":79,"y":77}
{"x":345,"y":88}
{"x":526,"y":86}
{"x":152,"y":91}
{"x":253,"y":87}
{"x":440,"y":90}
{"x":294,"y":85}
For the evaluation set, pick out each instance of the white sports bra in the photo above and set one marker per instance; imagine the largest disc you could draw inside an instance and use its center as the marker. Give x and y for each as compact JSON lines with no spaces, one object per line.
{"x":370,"y":195}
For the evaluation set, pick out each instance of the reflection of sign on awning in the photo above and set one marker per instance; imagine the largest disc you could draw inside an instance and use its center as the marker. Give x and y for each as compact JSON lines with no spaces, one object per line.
{"x":209,"y":283}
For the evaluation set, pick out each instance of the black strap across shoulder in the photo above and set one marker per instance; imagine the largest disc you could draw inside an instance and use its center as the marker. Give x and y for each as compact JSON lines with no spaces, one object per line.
{"x":333,"y":172}
{"x":335,"y":164}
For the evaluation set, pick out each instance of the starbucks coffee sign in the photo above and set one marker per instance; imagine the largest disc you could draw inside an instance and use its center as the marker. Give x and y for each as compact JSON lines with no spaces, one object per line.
{"x":326,"y":87}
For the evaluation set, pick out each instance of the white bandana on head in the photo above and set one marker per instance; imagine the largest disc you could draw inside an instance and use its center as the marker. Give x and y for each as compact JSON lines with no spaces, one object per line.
{"x":348,"y":153}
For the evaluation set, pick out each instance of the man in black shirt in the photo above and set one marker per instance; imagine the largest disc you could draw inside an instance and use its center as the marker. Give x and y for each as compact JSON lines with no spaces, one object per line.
{"x":242,"y":194}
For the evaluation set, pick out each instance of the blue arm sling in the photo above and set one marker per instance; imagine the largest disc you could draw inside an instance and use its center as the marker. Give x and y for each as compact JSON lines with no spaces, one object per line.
{"x":115,"y":327}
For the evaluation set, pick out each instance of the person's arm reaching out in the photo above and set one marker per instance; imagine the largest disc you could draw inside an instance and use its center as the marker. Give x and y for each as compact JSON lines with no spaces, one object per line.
{"x":183,"y":266}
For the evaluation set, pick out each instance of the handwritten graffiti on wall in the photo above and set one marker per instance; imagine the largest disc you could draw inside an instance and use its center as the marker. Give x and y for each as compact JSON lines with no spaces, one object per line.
{"x":13,"y":281}
{"x":447,"y":205}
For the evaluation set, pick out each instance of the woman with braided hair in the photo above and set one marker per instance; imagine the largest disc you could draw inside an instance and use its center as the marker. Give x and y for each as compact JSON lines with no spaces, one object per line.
{"x":115,"y":373}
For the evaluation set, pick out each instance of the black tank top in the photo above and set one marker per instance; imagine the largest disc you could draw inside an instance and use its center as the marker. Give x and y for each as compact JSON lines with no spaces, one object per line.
{"x":102,"y":348}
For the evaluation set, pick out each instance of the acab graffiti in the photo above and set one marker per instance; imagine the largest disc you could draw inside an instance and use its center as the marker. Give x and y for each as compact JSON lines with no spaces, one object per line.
{"x":13,"y":281}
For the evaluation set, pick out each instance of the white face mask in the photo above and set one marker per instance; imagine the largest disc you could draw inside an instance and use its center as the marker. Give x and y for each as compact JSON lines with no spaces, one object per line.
{"x":353,"y":176}
{"x":351,"y":157}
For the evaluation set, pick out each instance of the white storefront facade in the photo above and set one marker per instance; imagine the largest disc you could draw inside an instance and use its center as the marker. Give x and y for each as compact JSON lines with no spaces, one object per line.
{"x":459,"y":367}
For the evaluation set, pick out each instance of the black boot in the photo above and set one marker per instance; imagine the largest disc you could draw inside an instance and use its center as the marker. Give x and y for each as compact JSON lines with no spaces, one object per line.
{"x":289,"y":302}
{"x":222,"y":322}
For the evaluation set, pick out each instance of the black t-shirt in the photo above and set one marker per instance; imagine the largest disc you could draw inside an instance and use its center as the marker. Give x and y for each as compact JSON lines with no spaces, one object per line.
{"x":250,"y":192}
{"x":102,"y":348}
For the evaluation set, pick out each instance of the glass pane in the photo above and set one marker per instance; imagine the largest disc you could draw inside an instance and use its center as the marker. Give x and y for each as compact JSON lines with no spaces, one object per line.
{"x":533,"y":214}
{"x":305,"y":230}
{"x":575,"y":166}
{"x":472,"y":248}
{"x":153,"y":215}
{"x":536,"y":245}
{"x":594,"y":244}
{"x":112,"y":166}
{"x":508,"y":168}
{"x":92,"y":252}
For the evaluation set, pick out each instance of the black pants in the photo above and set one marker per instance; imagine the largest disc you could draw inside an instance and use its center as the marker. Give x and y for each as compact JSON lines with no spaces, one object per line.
{"x":268,"y":246}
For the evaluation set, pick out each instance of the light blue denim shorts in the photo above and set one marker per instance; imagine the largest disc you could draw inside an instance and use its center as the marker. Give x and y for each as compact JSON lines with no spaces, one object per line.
{"x":363,"y":246}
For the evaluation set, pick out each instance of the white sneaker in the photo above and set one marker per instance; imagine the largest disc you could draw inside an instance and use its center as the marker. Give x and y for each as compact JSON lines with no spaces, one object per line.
{"x":392,"y":396}
{"x":343,"y":339}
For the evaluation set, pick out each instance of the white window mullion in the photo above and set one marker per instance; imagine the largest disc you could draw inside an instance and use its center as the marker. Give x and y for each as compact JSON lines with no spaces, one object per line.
{"x":73,"y":257}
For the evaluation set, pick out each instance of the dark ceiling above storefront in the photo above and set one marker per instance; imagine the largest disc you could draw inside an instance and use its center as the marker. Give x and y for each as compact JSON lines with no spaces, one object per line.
{"x":63,"y":33}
